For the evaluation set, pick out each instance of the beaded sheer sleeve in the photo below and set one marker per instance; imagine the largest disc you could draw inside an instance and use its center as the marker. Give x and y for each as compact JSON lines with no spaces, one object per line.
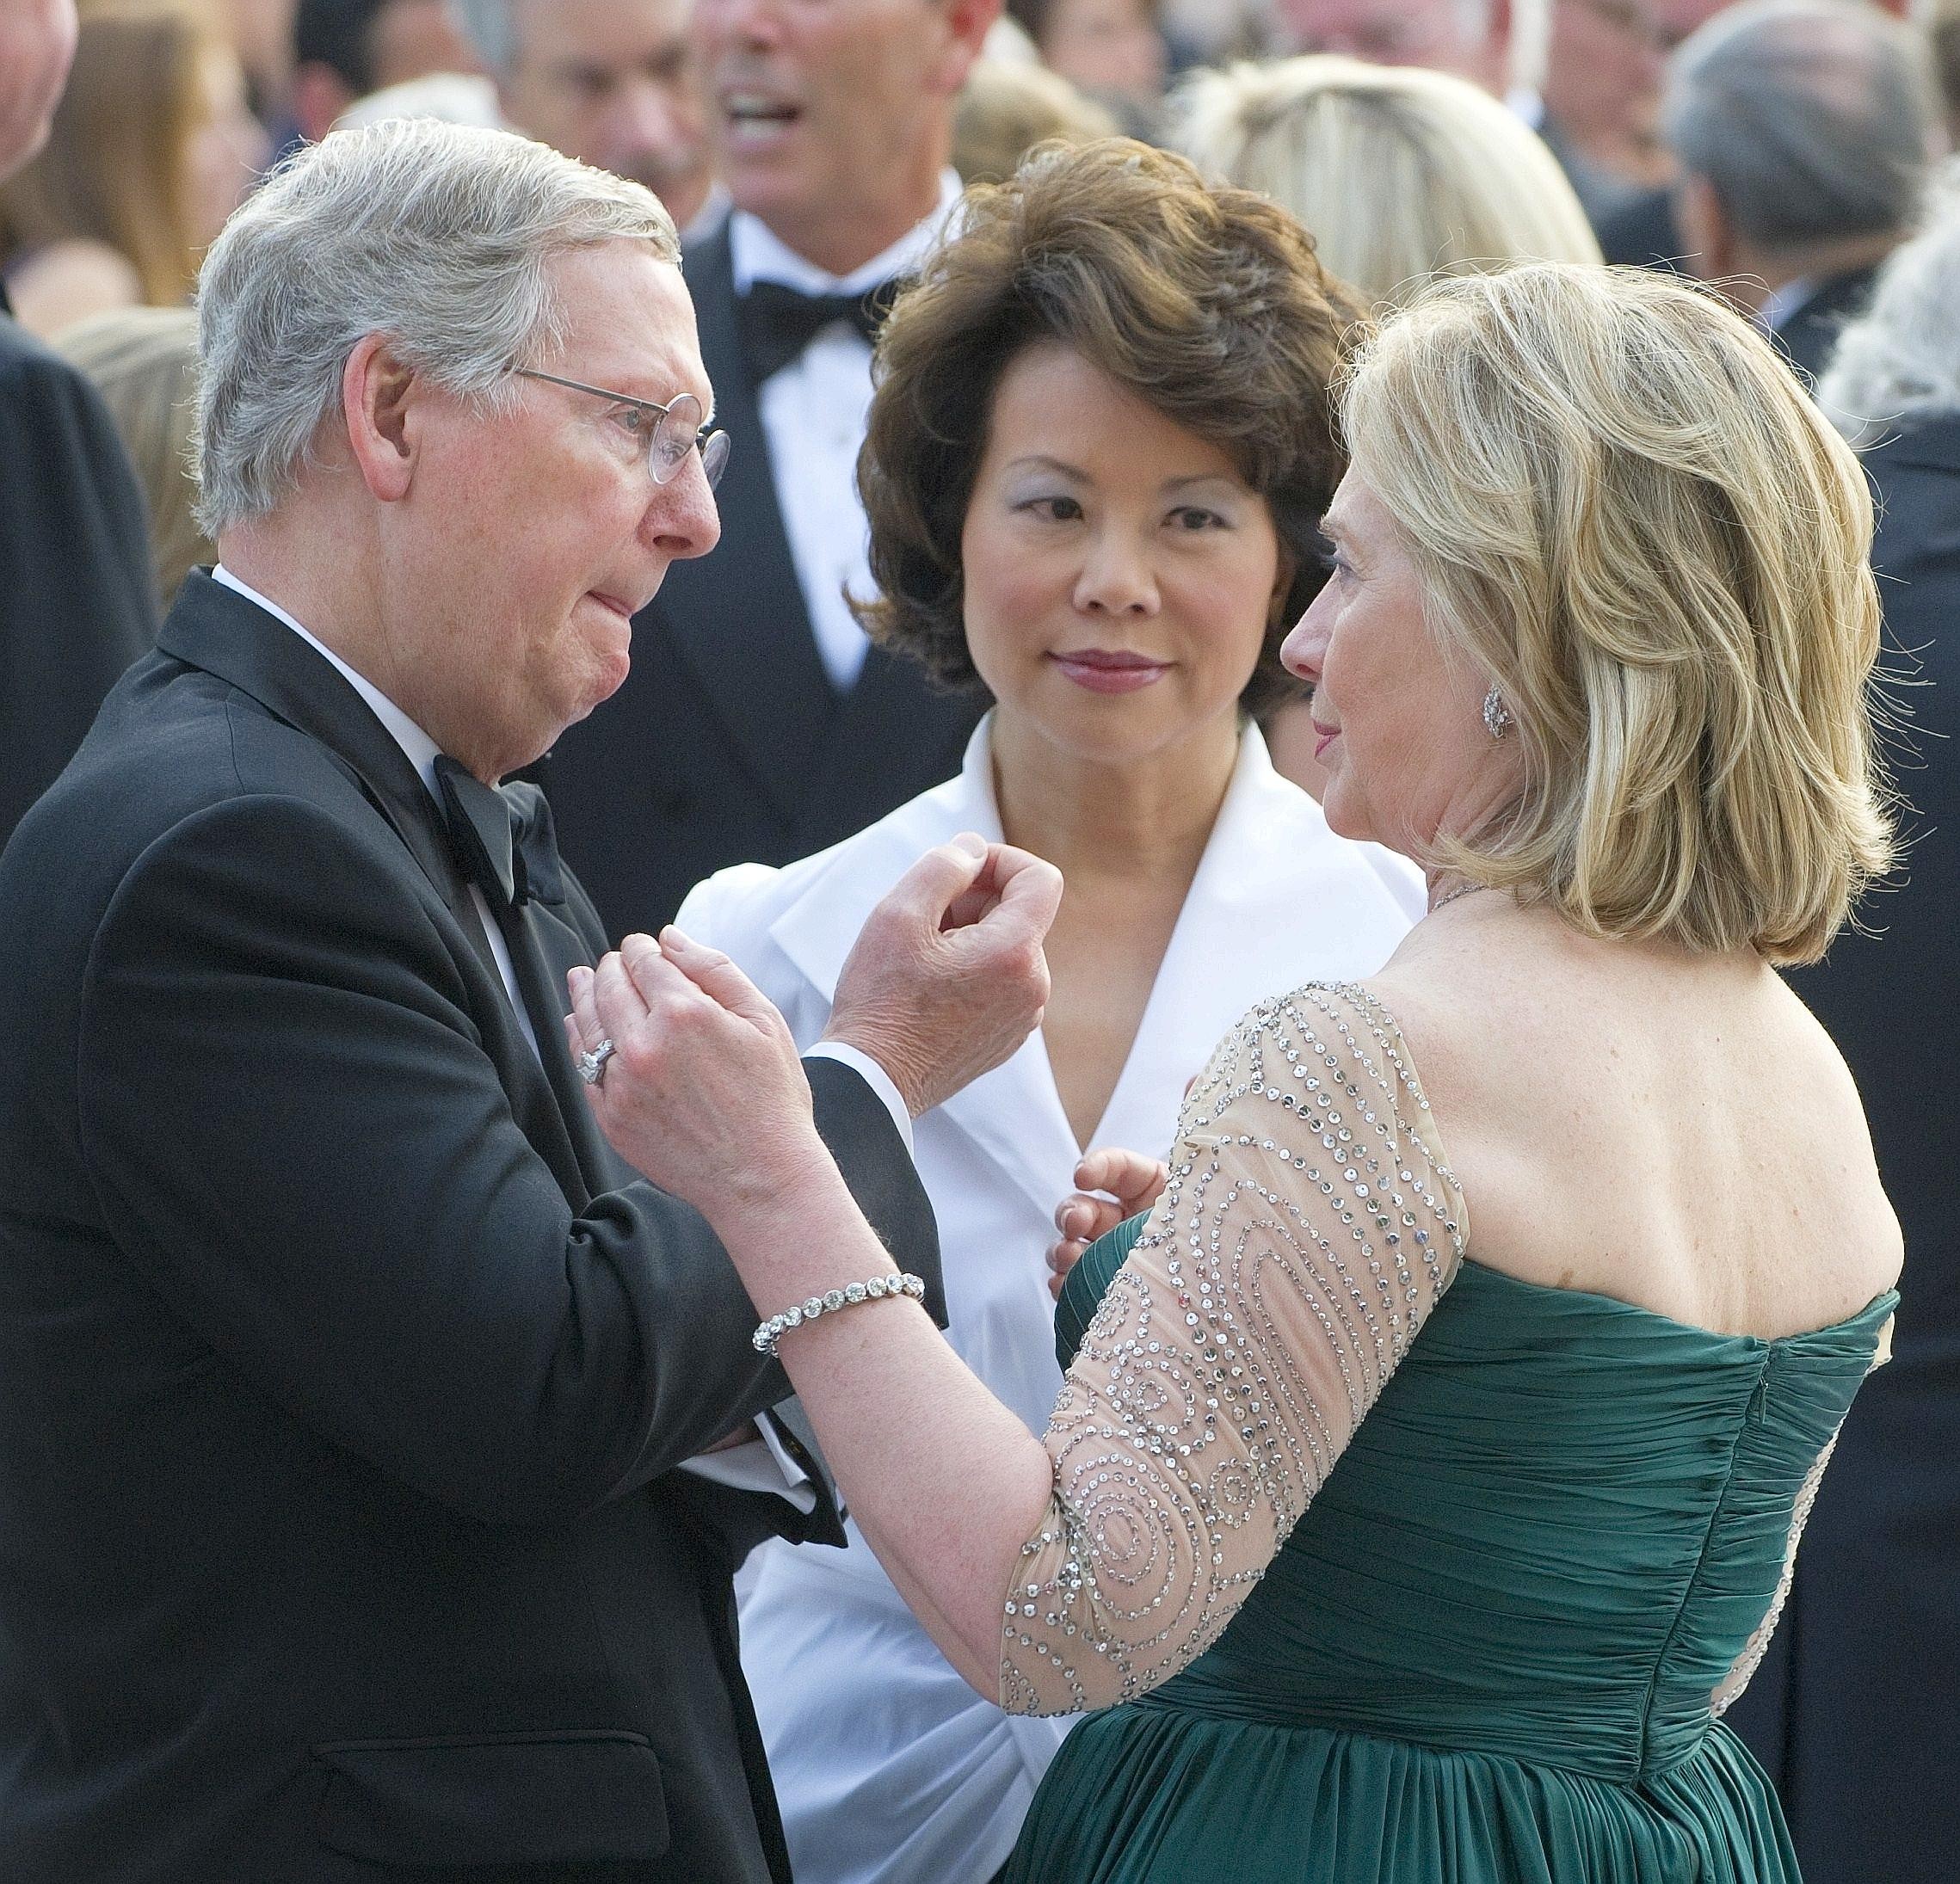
{"x":1309,"y":1227}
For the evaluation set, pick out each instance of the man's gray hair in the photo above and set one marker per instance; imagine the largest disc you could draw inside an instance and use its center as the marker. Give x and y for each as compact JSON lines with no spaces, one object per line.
{"x":1901,"y":360}
{"x":437,"y":235}
{"x":1810,"y":120}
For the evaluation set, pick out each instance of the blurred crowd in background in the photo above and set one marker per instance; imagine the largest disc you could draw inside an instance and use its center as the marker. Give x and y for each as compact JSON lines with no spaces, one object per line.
{"x":1411,"y":136}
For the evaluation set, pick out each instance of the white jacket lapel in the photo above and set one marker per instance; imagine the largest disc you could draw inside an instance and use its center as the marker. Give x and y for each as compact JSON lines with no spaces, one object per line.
{"x":1278,"y":900}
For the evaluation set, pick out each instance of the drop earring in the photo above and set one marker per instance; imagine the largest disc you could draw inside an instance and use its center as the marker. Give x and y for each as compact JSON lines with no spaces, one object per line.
{"x":1496,"y":714}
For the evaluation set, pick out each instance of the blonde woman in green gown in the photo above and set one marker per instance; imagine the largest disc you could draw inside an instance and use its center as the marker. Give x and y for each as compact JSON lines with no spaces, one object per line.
{"x":1431,"y":1459}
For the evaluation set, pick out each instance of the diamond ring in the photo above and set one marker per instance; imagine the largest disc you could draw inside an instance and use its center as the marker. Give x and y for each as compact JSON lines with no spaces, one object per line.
{"x":592,"y":1065}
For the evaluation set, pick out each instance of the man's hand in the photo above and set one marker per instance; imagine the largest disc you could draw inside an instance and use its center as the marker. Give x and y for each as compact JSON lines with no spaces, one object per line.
{"x":1128,"y":1181}
{"x":947,"y":977}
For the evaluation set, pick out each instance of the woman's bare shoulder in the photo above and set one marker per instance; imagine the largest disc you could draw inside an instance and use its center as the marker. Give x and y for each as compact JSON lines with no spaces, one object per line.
{"x":1674,"y":1133}
{"x":1471,"y":1002}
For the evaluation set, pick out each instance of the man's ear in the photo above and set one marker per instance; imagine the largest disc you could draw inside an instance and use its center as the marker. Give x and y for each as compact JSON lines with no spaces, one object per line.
{"x":967,"y":24}
{"x":378,"y":396}
{"x":1708,"y":246}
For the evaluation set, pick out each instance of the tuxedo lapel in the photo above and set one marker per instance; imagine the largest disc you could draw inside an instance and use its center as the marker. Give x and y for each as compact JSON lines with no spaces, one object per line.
{"x":223,"y":633}
{"x":867,"y":756}
{"x":217,"y":628}
{"x":551,"y":948}
{"x":737,"y":616}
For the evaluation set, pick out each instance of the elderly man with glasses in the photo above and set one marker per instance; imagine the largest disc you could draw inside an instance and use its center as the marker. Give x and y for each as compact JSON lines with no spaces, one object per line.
{"x":375,"y":1446}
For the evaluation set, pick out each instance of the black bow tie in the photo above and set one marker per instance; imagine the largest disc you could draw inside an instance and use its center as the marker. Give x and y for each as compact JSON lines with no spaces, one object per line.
{"x":777,"y":322}
{"x":502,"y":836}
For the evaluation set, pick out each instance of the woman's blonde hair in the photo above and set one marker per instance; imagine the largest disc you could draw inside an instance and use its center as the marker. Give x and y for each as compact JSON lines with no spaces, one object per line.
{"x":1005,"y":110}
{"x":1400,"y":173}
{"x":115,"y":167}
{"x":1627,"y":513}
{"x":144,"y":362}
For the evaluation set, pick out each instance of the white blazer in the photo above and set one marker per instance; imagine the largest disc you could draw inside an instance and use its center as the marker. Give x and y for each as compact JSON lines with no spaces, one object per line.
{"x":888,"y":1768}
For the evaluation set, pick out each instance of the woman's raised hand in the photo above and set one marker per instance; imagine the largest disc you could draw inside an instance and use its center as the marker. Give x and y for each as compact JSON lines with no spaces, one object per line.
{"x":1127,"y":1182}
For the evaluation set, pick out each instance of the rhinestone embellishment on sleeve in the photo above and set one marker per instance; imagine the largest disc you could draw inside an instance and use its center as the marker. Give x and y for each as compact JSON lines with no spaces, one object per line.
{"x":1308,"y":1226}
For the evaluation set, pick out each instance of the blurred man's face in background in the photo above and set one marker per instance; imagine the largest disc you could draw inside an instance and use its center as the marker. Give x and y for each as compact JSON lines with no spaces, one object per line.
{"x":1602,"y":85}
{"x":1106,"y":47}
{"x":832,"y":117}
{"x":414,"y":38}
{"x":37,"y":45}
{"x":1441,"y":33}
{"x":616,"y":84}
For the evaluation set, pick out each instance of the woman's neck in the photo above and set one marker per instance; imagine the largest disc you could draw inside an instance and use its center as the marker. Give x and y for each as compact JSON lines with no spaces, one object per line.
{"x":1146,"y":819}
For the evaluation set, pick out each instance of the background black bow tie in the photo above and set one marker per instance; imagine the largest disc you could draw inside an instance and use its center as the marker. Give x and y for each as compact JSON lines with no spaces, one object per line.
{"x":502,"y":836}
{"x":777,"y":322}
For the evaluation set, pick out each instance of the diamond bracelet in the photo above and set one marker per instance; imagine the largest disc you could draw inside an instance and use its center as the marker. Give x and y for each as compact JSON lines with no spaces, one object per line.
{"x":849,"y":1297}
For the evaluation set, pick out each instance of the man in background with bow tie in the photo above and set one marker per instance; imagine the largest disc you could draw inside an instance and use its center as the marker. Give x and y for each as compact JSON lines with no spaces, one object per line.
{"x":758,"y":725}
{"x":375,"y":1447}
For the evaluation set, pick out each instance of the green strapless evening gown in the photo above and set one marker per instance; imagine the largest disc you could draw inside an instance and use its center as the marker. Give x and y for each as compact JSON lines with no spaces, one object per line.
{"x":1486,"y":1653}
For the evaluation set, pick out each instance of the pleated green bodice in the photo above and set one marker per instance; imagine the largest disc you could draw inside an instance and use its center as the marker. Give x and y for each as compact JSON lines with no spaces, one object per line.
{"x":1487,"y":1652}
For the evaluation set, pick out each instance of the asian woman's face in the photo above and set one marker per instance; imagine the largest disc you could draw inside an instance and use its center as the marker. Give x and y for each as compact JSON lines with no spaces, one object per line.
{"x":1120,"y":573}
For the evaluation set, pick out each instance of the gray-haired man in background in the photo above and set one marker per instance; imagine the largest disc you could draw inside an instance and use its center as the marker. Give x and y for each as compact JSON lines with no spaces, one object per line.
{"x":1803,"y":130}
{"x":375,"y":1447}
{"x":616,"y":83}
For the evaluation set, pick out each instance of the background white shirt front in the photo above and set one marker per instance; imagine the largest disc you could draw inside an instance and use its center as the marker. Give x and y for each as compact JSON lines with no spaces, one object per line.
{"x":813,"y":414}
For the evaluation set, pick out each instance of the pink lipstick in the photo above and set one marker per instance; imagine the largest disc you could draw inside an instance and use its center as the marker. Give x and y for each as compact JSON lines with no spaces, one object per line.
{"x":1110,"y":670}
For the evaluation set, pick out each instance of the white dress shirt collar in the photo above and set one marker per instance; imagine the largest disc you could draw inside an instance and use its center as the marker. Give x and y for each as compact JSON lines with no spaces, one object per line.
{"x":1787,"y":303}
{"x":756,"y":253}
{"x":421,"y":751}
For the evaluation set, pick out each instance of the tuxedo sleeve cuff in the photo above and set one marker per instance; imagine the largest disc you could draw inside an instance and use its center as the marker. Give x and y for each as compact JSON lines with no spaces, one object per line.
{"x":761,"y":1465}
{"x":874,"y":1076}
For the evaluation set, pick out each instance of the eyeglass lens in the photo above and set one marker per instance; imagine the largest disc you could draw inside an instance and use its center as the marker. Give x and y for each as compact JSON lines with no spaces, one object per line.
{"x":678,"y":433}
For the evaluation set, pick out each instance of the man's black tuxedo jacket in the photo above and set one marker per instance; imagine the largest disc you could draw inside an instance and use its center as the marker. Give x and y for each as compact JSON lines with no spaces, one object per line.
{"x":343,"y":1372}
{"x":75,"y":606}
{"x":728,"y":743}
{"x":1809,"y":336}
{"x":1854,"y":1712}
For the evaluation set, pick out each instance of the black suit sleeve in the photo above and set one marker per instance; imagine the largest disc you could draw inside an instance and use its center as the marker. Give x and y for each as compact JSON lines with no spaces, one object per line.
{"x":75,"y":606}
{"x":298,"y":1139}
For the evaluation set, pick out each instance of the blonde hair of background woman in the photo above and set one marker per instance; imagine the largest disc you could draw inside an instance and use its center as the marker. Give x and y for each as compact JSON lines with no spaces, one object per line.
{"x":1627,"y":515}
{"x":116,"y":169}
{"x":1400,"y":174}
{"x":143,"y":360}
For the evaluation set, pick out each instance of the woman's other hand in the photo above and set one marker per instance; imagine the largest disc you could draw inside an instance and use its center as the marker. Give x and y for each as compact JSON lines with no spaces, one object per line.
{"x":1115,"y":1186}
